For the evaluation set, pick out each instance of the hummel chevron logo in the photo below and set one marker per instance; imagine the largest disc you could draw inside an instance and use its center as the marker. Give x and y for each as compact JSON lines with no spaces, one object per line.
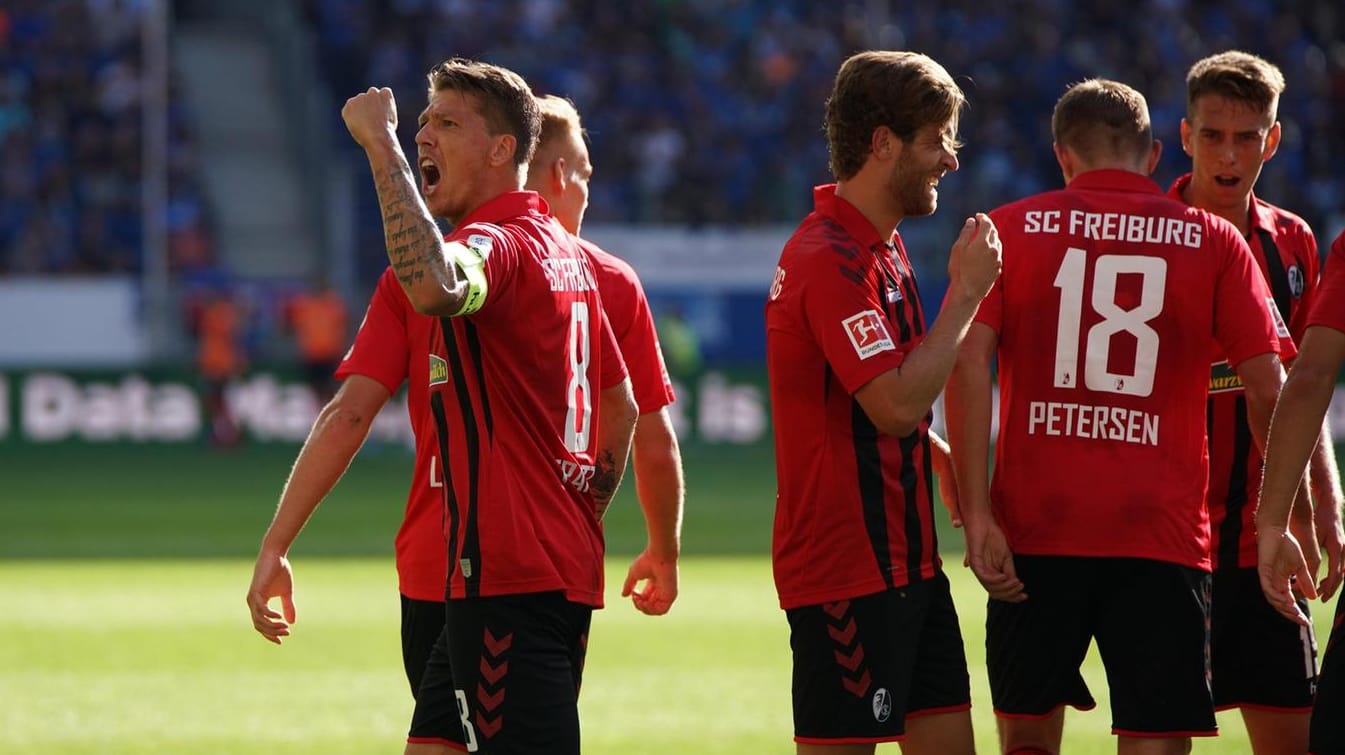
{"x":857,"y":687}
{"x":488,"y":727}
{"x":489,"y":701}
{"x":836,"y":610}
{"x":497,"y":646}
{"x":843,"y":636}
{"x":493,"y":674}
{"x":851,"y":662}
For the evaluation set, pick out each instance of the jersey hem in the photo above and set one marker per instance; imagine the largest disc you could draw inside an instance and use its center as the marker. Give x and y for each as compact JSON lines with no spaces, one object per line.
{"x":437,"y":741}
{"x":868,"y":587}
{"x":849,"y":740}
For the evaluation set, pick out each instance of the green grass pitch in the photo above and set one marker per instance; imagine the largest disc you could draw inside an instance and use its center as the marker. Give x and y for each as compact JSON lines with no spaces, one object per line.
{"x":122,"y":573}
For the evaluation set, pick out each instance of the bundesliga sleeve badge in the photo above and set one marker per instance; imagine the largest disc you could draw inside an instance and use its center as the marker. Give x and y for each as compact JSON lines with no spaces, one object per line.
{"x":868,"y":333}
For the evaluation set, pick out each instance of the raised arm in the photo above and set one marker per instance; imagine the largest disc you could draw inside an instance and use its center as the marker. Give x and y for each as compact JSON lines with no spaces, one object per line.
{"x":337,"y":435}
{"x":425,"y":265}
{"x":897,"y":400}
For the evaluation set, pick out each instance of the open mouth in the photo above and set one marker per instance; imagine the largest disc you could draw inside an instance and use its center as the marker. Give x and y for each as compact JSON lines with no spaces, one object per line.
{"x":1227,"y":181}
{"x":429,"y":176}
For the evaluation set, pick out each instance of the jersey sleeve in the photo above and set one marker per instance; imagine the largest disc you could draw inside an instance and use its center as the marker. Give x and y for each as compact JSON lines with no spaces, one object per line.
{"x":1246,"y":320}
{"x":632,"y":323}
{"x":381,"y":349}
{"x":849,"y":323}
{"x":502,"y":258}
{"x":1328,"y":306}
{"x":612,"y":365}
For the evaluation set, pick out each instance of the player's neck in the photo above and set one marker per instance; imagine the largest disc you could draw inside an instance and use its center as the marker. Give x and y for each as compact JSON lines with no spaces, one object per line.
{"x":874,"y":203}
{"x":1240,"y":214}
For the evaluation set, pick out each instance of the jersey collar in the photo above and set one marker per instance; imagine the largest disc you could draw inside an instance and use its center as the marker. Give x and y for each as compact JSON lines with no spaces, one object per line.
{"x":1112,"y":179}
{"x":1261,"y":216}
{"x":858,"y":227}
{"x":510,"y":204}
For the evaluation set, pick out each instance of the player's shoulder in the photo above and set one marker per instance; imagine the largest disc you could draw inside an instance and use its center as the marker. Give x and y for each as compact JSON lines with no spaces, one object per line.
{"x":604,"y":261}
{"x":820,"y":240}
{"x":1283,"y":223}
{"x":1055,"y":199}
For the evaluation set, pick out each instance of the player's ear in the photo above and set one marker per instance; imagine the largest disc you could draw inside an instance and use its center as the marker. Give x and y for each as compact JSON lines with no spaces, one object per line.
{"x":558,"y":174}
{"x":1186,"y":137}
{"x":1155,"y":153}
{"x":503,"y":150}
{"x":1272,"y":142}
{"x":1065,"y":157}
{"x":884,"y":144}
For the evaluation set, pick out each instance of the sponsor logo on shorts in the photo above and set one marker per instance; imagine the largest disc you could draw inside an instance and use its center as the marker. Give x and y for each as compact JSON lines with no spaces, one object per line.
{"x":882,"y":705}
{"x":868,"y":334}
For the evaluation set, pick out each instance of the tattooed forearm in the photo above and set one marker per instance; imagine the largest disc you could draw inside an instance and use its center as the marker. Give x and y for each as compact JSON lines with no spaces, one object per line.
{"x":414,"y":244}
{"x":606,"y":479}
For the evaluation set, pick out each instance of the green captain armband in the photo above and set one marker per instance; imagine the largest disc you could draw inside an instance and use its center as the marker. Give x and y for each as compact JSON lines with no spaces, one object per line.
{"x":470,"y":257}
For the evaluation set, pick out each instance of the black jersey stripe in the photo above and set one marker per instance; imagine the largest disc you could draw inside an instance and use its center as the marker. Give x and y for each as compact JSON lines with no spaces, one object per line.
{"x":1230,"y":531}
{"x":910,"y":482}
{"x":1279,"y":279}
{"x":470,"y":550}
{"x":450,"y":509}
{"x":474,"y":347}
{"x":869,"y":474}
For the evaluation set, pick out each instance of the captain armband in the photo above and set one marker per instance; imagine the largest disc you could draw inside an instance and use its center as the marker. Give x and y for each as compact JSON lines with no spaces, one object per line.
{"x":470,"y":257}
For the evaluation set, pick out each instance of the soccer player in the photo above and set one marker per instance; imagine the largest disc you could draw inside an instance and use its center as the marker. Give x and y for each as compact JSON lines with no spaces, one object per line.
{"x":560,"y":173}
{"x":1293,"y":439}
{"x":1102,"y":320}
{"x":853,"y":370}
{"x":532,"y":409}
{"x":1259,"y":663}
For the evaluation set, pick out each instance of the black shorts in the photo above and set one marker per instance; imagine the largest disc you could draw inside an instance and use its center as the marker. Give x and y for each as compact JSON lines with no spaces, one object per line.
{"x":504,"y":676}
{"x":1328,"y":711}
{"x":422,"y":623}
{"x":1149,"y":620}
{"x":862,"y":666}
{"x":1258,"y":658}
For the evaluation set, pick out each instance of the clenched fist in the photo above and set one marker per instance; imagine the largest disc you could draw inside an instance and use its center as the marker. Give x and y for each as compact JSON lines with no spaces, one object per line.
{"x":371,"y":116}
{"x":975,"y":261}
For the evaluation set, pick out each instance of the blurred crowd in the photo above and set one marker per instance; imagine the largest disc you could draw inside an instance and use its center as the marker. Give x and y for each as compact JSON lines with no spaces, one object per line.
{"x":710,"y":111}
{"x":699,"y":111}
{"x":72,"y":87}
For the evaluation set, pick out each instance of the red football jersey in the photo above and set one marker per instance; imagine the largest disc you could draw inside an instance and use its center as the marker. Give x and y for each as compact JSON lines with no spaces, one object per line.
{"x":853,"y":511}
{"x":514,"y":395}
{"x":393,"y":345}
{"x":1286,"y":253}
{"x":627,"y":309}
{"x":1328,"y":309}
{"x":1105,"y":309}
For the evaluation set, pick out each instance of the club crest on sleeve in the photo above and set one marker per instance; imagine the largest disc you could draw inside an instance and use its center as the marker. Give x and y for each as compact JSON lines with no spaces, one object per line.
{"x":1281,"y":329}
{"x":868,"y":334}
{"x":438,"y":370}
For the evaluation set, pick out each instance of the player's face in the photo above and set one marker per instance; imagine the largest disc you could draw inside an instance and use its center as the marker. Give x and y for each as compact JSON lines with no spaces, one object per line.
{"x":1228,"y":143}
{"x":452,"y":149}
{"x":914,"y":183}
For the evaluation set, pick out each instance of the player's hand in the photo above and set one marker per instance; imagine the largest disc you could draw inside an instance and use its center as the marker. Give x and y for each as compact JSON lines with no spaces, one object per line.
{"x":991,"y":561}
{"x":272,"y":578}
{"x":943,"y":471}
{"x":1281,"y":567}
{"x":1305,"y":532}
{"x":974,"y":263}
{"x":660,"y":584}
{"x":1331,"y":538}
{"x":371,"y":116}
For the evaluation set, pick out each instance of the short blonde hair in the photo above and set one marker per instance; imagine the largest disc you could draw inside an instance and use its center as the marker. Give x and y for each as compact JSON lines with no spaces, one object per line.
{"x":1103,"y":118}
{"x":559,"y":117}
{"x":1238,"y":76}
